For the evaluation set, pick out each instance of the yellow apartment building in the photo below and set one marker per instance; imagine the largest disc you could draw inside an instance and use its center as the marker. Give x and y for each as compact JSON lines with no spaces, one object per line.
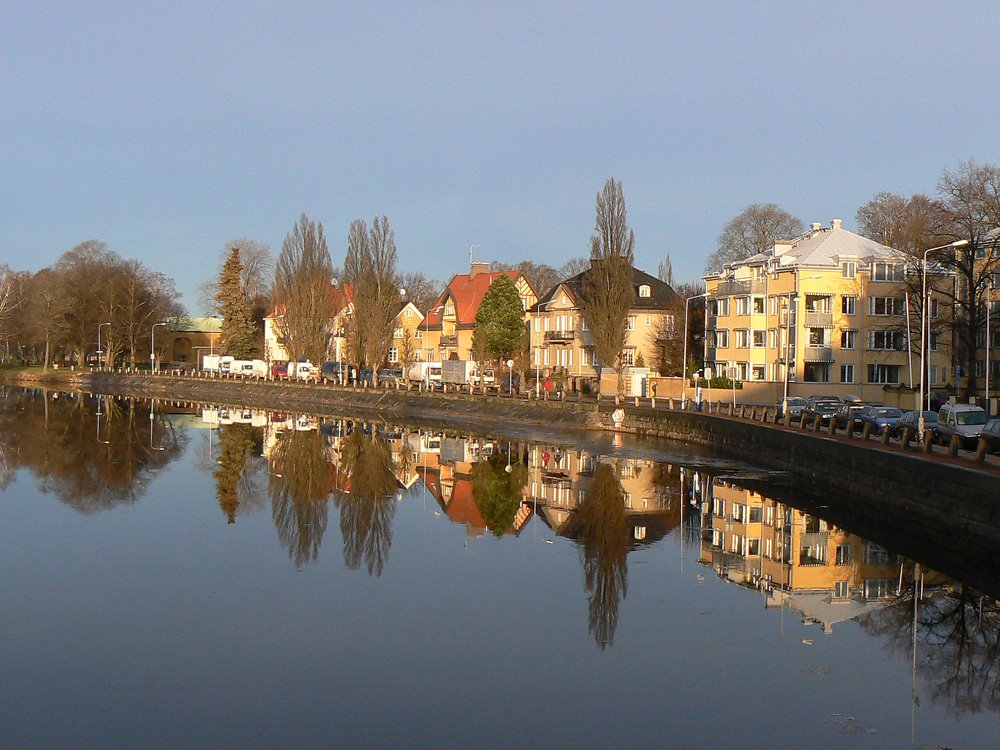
{"x":830,"y":312}
{"x":828,"y":573}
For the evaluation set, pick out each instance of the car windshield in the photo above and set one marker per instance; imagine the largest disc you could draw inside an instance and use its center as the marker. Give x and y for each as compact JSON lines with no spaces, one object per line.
{"x":971,"y":417}
{"x":796,"y":401}
{"x":889,"y":412}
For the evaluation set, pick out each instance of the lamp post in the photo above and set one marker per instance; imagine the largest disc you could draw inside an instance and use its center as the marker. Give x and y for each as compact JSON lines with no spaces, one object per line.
{"x":924,"y":323}
{"x":684,"y":364}
{"x":152,"y":347}
{"x":99,"y":350}
{"x":792,"y":299}
{"x":427,"y":331}
{"x":989,"y":312}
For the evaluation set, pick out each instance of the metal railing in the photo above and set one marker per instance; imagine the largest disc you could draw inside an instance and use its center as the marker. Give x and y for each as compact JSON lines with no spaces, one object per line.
{"x":449,"y":340}
{"x":733,"y":287}
{"x":819,"y":354}
{"x":818,"y":318}
{"x":560,"y":335}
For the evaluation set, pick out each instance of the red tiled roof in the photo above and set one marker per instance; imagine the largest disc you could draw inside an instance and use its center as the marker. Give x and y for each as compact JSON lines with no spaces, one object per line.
{"x":468,"y":292}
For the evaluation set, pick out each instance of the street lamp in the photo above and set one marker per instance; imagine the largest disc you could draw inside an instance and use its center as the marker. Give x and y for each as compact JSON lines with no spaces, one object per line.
{"x":924,"y":323}
{"x":792,"y":298}
{"x":99,"y":350}
{"x":152,"y":347}
{"x":684,"y":364}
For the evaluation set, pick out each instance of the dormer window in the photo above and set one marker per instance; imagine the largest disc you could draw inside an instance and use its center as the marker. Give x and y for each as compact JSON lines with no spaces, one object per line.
{"x":645,"y":291}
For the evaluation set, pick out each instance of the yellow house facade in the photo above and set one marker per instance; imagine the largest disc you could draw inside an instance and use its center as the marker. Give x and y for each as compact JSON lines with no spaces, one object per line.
{"x":830,"y":312}
{"x":561,"y":344}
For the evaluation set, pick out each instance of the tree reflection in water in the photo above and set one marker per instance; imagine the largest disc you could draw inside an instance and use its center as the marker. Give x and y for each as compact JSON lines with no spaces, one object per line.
{"x":366,"y":498}
{"x":93,"y":452}
{"x":300,"y":489}
{"x":237,"y":468}
{"x":604,"y":533}
{"x":498,"y":488}
{"x":958,"y":632}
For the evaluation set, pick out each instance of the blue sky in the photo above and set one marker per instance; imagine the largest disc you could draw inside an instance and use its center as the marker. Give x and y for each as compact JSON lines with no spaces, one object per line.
{"x":169,"y":129}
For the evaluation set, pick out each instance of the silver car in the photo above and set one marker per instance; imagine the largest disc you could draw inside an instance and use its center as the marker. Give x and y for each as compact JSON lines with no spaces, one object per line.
{"x":964,"y":420}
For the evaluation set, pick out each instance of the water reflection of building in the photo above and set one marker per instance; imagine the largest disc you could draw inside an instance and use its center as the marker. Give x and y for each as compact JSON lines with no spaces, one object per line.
{"x":828,"y":574}
{"x":559,"y":480}
{"x":445,"y":464}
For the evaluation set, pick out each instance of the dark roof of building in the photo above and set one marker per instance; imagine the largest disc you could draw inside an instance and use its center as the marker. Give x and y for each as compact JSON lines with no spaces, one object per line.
{"x":661,"y":294}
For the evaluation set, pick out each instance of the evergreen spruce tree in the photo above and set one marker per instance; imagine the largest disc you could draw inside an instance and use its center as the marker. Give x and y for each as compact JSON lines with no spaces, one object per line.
{"x":499,"y":321}
{"x":237,"y":322}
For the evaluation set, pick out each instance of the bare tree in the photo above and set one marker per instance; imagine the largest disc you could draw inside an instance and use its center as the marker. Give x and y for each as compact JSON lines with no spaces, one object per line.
{"x":572,"y":267}
{"x":665,"y":271}
{"x":46,"y":306}
{"x":970,"y":200}
{"x":755,"y":229}
{"x":370,"y":269}
{"x":303,"y":292}
{"x":420,"y":290}
{"x":606,"y":293}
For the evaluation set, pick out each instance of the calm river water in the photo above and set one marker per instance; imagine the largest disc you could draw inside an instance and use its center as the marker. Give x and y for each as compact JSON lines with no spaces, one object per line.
{"x":236,"y":579}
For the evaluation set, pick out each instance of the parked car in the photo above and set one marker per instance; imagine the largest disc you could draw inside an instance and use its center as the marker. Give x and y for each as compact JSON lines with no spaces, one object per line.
{"x":821,"y":407}
{"x":510,"y":384}
{"x":279,"y":370}
{"x":991,"y":434}
{"x":335,"y":372}
{"x":880,"y":417}
{"x":849,"y":414}
{"x":391,"y":376}
{"x":911,"y":419}
{"x":306,"y":371}
{"x":795,"y":406}
{"x":965,"y":420}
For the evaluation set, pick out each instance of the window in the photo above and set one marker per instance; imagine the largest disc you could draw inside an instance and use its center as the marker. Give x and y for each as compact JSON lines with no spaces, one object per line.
{"x":756,"y":513}
{"x":848,"y":339}
{"x":841,"y":590}
{"x":409,"y":313}
{"x":631,"y":322}
{"x":817,"y":372}
{"x":722,"y":338}
{"x":760,"y":338}
{"x":758,"y":305}
{"x":880,"y":588}
{"x":393,"y":355}
{"x":817,"y":337}
{"x":772,"y":338}
{"x":843,"y":554}
{"x":817,"y":303}
{"x":398,"y":333}
{"x":935,"y":308}
{"x":885,"y":306}
{"x":849,"y":269}
{"x":889,"y":341}
{"x":583,"y":324}
{"x":882,"y":271}
{"x":628,"y":357}
{"x":742,"y":305}
{"x":848,"y":304}
{"x":933,"y":341}
{"x":645,"y":291}
{"x":847,"y":373}
{"x":758,"y":372}
{"x":742,"y":338}
{"x":884,"y":374}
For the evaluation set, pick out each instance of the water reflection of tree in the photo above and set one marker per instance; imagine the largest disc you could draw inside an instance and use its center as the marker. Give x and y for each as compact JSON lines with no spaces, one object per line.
{"x":604,"y":533}
{"x":237,"y":468}
{"x":92,"y":452}
{"x":368,"y":506}
{"x":300,"y":494}
{"x":498,"y":487}
{"x":958,"y":634}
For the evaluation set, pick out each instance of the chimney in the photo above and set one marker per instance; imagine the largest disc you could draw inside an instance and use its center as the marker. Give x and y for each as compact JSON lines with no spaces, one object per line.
{"x":477,"y":268}
{"x":816,"y":226}
{"x":781,"y":247}
{"x":835,"y":223}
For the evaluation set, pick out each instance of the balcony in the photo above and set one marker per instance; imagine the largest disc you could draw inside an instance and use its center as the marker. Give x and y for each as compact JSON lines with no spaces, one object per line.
{"x":819,"y":354}
{"x":560,"y":335}
{"x":450,"y":340}
{"x":818,"y":319}
{"x":732,"y":287}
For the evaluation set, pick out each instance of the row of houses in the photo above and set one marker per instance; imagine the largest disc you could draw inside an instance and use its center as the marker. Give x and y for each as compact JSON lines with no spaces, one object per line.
{"x":560,"y":343}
